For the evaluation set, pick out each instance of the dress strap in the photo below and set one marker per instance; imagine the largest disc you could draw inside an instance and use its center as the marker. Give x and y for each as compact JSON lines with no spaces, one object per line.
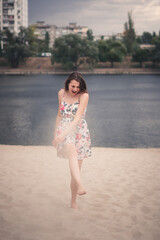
{"x":79,"y":98}
{"x":63,"y":94}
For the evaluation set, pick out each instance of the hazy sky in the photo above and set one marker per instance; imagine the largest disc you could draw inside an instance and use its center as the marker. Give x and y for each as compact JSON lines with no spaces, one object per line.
{"x":102,"y":16}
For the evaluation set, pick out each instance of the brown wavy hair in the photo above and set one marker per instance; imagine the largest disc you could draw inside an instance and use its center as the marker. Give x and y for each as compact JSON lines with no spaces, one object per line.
{"x":77,"y":77}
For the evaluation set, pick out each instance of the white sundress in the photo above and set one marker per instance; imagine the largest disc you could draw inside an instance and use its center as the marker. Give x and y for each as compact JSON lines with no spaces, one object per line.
{"x":80,"y":136}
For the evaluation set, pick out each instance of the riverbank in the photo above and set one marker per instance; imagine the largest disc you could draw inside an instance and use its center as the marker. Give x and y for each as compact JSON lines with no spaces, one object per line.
{"x":39,"y":65}
{"x":122,"y":200}
{"x":9,"y":71}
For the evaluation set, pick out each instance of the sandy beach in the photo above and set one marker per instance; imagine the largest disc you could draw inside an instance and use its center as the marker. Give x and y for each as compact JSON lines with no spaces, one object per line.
{"x":122,"y":200}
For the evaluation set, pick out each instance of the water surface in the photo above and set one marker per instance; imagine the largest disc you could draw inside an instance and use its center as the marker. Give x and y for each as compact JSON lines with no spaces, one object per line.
{"x":123,"y":110}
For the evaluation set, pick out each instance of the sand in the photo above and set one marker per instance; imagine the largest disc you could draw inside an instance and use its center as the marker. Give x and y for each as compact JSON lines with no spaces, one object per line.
{"x":122,"y":200}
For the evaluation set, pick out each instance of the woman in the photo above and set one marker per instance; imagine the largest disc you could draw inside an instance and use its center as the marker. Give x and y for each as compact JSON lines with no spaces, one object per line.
{"x":71,"y":136}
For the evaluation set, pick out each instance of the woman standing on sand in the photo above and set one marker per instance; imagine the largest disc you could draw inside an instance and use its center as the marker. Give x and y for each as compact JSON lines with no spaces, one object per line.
{"x":71,"y":136}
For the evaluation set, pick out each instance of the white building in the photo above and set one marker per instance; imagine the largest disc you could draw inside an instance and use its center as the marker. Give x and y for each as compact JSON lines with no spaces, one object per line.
{"x":147,"y":46}
{"x":118,"y":36}
{"x":54,"y":32}
{"x":72,"y":28}
{"x":13,"y":14}
{"x":40,"y":31}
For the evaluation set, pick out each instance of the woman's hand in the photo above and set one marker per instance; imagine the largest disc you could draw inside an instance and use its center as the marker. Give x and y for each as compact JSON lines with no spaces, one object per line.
{"x":58,"y":139}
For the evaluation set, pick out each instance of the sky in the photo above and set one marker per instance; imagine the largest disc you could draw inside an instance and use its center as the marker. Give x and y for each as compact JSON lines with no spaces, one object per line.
{"x":104,"y":17}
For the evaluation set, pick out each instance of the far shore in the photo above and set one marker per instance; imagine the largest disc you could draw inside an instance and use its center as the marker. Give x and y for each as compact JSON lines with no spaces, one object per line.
{"x":39,"y":65}
{"x":25,"y":71}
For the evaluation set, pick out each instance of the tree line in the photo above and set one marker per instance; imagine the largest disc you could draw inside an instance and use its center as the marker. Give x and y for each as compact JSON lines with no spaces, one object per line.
{"x":16,"y":48}
{"x":72,"y":50}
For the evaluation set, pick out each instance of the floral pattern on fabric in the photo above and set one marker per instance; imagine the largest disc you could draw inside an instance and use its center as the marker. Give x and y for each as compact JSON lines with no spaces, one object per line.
{"x":80,"y":136}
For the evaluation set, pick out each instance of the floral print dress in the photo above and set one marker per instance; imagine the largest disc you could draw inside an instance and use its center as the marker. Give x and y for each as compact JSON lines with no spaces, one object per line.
{"x":80,"y":136}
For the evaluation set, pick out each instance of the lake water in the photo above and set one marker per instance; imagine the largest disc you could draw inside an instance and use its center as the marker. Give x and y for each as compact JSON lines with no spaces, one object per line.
{"x":123,"y":110}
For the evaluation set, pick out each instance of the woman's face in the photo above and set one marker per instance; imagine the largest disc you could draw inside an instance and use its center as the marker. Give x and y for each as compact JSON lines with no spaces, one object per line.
{"x":73,"y":87}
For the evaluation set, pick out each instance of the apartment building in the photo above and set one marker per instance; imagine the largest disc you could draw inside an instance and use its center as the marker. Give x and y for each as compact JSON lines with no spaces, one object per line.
{"x":71,"y":28}
{"x":54,"y":32}
{"x":118,"y":36}
{"x":13,"y":14}
{"x":40,"y":31}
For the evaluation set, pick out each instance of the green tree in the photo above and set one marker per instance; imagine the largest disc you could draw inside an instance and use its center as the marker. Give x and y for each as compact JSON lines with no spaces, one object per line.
{"x":103,"y":50}
{"x":90,"y":35}
{"x":29,"y":38}
{"x":129,"y":34}
{"x":116,"y":51}
{"x":22,"y":36}
{"x":146,"y":38}
{"x":155,"y":52}
{"x":16,"y":47}
{"x":16,"y":54}
{"x":111,"y":50}
{"x":90,"y":52}
{"x":139,"y":40}
{"x":154,"y":34}
{"x":32,"y":41}
{"x":1,"y":43}
{"x":47,"y":40}
{"x":67,"y":50}
{"x":36,"y":46}
{"x":41,"y":46}
{"x":71,"y":50}
{"x":141,"y":55}
{"x":156,"y":42}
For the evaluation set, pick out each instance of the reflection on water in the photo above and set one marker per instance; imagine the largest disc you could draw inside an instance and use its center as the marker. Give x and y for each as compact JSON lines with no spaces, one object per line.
{"x":123,"y":110}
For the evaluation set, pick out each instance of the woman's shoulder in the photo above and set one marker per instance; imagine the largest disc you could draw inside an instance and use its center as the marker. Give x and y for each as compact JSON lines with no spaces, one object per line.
{"x":84,"y":95}
{"x":61,"y":92}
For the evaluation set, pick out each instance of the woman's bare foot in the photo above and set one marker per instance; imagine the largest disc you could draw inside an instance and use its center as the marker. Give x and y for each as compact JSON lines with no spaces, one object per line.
{"x":80,"y":190}
{"x":73,"y":205}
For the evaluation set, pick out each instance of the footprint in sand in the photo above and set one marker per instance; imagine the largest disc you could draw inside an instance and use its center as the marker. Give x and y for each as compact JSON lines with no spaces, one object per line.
{"x":134,"y":219}
{"x":5,"y":197}
{"x":137,"y":234}
{"x":145,"y":209}
{"x":134,"y":199}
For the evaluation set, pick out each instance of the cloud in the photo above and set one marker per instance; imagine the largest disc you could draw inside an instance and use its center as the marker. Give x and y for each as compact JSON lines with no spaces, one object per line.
{"x":147,"y":16}
{"x":102,"y":16}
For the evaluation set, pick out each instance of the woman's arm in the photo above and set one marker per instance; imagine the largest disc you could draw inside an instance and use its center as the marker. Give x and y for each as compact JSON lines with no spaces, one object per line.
{"x":59,"y":116}
{"x":82,"y":106}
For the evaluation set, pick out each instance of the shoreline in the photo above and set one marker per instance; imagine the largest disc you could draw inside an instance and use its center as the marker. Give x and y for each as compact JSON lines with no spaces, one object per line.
{"x":100,"y":148}
{"x":104,"y":71}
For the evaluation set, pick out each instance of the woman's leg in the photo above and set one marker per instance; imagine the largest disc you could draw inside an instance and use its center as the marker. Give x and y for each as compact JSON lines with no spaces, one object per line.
{"x":74,"y":189}
{"x":71,"y":154}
